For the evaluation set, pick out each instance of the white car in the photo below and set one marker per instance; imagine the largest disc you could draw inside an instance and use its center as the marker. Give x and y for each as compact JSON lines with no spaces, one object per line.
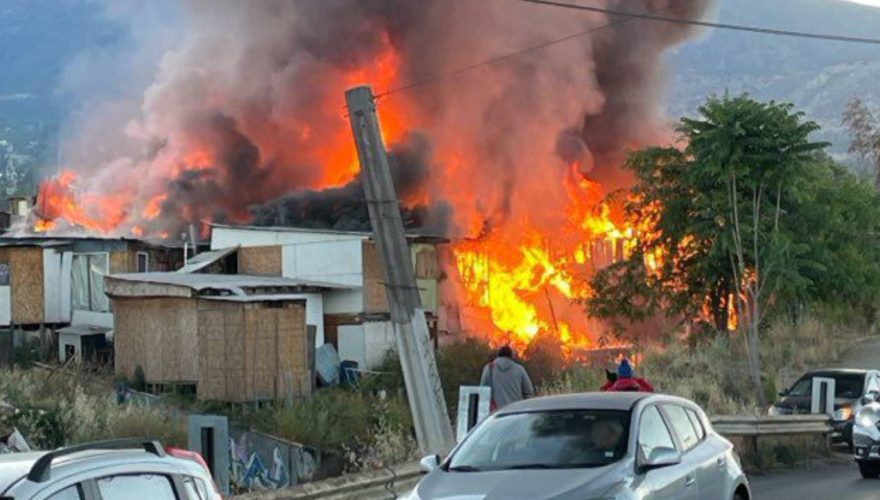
{"x":127,"y":469}
{"x":608,"y":446}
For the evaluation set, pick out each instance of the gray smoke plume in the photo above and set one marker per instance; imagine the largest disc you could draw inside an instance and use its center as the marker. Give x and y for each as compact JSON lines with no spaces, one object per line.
{"x":244,"y":118}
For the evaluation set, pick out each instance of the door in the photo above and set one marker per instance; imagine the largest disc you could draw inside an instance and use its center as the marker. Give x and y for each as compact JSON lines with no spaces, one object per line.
{"x":673,"y":482}
{"x":707,"y":457}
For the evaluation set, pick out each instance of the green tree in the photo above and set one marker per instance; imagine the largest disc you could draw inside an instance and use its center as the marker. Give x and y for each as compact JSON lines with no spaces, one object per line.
{"x":719,"y":209}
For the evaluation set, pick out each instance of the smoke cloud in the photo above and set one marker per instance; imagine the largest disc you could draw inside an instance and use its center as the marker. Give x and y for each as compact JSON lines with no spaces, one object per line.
{"x":244,"y":118}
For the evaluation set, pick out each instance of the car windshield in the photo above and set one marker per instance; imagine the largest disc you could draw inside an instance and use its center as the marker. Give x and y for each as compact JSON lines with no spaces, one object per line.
{"x":846,"y":385}
{"x":541,"y":440}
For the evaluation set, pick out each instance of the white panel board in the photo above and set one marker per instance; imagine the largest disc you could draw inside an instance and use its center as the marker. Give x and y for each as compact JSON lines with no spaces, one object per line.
{"x":352,"y":346}
{"x":92,"y":318}
{"x":380,"y":342}
{"x":5,"y":306}
{"x":222,"y":237}
{"x":66,"y":260}
{"x":823,"y":386}
{"x":52,"y":286}
{"x":464,"y":421}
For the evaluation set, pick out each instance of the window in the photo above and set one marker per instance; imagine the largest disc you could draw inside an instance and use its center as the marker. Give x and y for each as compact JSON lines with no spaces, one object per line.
{"x":153,"y":486}
{"x":547,"y":439}
{"x":69,"y":493}
{"x":195,"y":488}
{"x":87,"y":282}
{"x":653,"y":433}
{"x":698,"y":424}
{"x":143,"y":262}
{"x":682,"y":425}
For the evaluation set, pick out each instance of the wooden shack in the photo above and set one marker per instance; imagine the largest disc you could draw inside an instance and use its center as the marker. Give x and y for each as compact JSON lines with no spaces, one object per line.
{"x":234,"y":338}
{"x":58,"y":281}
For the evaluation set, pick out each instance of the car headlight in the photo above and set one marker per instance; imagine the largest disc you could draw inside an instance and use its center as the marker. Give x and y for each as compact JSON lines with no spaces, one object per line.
{"x":410,"y":495}
{"x":866,"y":418}
{"x":843,"y":413}
{"x":773,"y":411}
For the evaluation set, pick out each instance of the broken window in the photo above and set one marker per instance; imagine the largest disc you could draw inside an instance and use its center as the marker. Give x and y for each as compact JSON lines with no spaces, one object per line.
{"x":87,"y":280}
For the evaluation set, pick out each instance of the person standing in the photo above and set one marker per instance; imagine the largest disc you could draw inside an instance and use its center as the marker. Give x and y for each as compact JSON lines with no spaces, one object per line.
{"x":627,"y":381}
{"x":507,"y":379}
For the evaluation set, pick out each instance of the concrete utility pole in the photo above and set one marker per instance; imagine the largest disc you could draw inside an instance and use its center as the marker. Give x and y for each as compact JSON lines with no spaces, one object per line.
{"x":433,"y":429}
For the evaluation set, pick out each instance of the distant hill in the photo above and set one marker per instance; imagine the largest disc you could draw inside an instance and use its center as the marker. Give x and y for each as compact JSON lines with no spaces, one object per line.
{"x":818,"y":76}
{"x":37,"y":39}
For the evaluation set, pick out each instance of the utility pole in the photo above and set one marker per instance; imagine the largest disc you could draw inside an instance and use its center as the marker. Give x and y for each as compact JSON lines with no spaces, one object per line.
{"x":433,"y":429}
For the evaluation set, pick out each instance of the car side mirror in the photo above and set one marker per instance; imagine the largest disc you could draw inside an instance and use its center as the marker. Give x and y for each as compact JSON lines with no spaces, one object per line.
{"x":783,"y":393}
{"x":429,"y":463}
{"x":661,"y":457}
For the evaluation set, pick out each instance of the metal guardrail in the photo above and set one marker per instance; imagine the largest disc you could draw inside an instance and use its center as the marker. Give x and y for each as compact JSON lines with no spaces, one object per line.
{"x":766,"y":425}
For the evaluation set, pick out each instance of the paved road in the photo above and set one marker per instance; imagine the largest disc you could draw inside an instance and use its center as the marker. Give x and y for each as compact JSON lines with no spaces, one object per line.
{"x":827,"y":482}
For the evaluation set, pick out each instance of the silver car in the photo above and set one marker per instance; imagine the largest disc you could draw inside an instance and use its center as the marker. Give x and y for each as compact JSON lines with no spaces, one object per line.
{"x":624,"y":445}
{"x":109,"y":470}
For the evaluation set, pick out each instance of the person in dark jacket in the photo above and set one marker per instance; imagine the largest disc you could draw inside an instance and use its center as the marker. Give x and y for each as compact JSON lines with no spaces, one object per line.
{"x":627,"y":381}
{"x":507,"y":379}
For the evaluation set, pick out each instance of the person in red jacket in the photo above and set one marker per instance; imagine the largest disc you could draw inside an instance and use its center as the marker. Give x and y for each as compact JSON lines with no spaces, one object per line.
{"x":626,"y":381}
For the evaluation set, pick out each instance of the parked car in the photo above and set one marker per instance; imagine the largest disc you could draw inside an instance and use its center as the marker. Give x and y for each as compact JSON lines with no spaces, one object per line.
{"x":624,"y":445}
{"x":866,"y":438}
{"x":108,"y":470}
{"x":851,"y":386}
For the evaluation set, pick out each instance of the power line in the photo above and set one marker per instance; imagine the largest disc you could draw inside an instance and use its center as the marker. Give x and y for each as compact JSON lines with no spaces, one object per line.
{"x":706,"y":24}
{"x":626,"y":16}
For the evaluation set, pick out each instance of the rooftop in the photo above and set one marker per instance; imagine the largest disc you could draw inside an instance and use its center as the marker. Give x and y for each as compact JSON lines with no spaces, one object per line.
{"x":233,"y":283}
{"x":205,"y":259}
{"x":422,"y":238}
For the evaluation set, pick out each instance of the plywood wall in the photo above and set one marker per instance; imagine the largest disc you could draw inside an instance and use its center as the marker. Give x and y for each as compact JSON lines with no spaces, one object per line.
{"x":375,"y":295}
{"x":252,"y":351}
{"x":26,"y":280}
{"x":260,"y":261}
{"x":160,"y":335}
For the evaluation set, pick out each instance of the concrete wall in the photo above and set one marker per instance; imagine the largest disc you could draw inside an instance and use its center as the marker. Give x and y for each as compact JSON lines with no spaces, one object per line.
{"x":368,"y":343}
{"x":5,"y":306}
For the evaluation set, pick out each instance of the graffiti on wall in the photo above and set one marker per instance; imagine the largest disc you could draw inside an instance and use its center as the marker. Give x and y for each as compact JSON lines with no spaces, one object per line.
{"x":261,"y":462}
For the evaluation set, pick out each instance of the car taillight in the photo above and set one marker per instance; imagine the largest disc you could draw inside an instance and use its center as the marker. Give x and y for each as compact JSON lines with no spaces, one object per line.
{"x":197,"y":458}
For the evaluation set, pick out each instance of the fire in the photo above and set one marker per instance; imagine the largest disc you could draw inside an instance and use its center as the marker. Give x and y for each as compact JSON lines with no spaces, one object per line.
{"x":538,"y":282}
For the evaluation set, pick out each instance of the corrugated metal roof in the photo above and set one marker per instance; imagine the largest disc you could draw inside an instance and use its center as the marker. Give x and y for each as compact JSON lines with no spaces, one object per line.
{"x":281,"y":297}
{"x":230,"y":282}
{"x":205,"y":259}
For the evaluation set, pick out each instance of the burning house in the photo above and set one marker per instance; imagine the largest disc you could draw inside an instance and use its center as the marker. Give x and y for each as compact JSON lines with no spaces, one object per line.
{"x":355,"y":318}
{"x":511,"y":158}
{"x":47,"y":281}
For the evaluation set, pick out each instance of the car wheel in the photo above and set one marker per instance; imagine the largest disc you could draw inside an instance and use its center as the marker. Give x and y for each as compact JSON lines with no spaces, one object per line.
{"x":869,"y":469}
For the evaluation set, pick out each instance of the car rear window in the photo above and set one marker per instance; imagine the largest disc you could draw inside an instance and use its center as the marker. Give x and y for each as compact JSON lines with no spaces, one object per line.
{"x":698,"y":424}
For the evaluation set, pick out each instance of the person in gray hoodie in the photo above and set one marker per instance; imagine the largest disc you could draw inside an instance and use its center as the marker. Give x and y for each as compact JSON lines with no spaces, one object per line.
{"x":507,"y":379}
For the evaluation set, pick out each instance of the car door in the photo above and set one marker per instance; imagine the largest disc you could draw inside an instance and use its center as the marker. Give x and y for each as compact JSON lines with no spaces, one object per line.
{"x":673,"y":482}
{"x":706,"y":457}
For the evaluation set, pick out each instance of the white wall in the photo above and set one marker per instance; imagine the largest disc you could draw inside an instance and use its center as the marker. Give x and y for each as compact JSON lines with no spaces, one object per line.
{"x":379,"y":340}
{"x":5,"y":306}
{"x":314,"y":314}
{"x":352,"y":346}
{"x":224,"y":237}
{"x":56,"y":286}
{"x":344,"y":301}
{"x":339,"y":262}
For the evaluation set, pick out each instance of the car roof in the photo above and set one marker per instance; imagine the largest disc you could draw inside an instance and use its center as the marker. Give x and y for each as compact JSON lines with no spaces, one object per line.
{"x":15,"y":466}
{"x":581,"y":401}
{"x":838,"y":371}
